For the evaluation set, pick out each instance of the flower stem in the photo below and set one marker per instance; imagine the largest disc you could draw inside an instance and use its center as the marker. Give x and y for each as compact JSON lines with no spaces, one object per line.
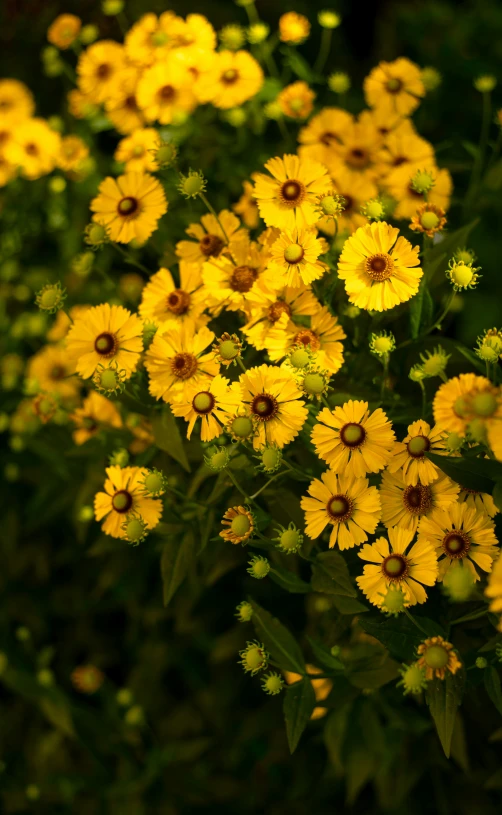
{"x":241,"y":364}
{"x":479,"y":161}
{"x":237,"y":485}
{"x":256,"y":494}
{"x":410,"y":617}
{"x":213,"y":212}
{"x":129,"y":259}
{"x":323,"y":50}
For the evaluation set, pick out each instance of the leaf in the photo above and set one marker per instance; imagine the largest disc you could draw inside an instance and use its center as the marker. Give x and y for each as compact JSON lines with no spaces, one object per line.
{"x":334,"y":734}
{"x":59,"y":715}
{"x":416,"y":309}
{"x":472,"y":473}
{"x":399,"y":634}
{"x":168,"y":437}
{"x":470,"y":148}
{"x":492,"y":685}
{"x":176,"y":559}
{"x":299,"y":702}
{"x":348,"y":605}
{"x":281,"y":645}
{"x":497,"y":495}
{"x":447,"y":245}
{"x":493,"y":178}
{"x":324,"y":656}
{"x":289,"y":581}
{"x":444,"y":697}
{"x":298,"y":65}
{"x":330,"y":575}
{"x":375,"y":677}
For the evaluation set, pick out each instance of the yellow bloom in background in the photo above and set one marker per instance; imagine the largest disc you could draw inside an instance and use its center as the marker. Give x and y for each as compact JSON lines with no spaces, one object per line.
{"x":80,"y":105}
{"x":124,"y":495}
{"x":380,"y":121}
{"x":322,"y":687}
{"x":356,"y":190}
{"x":64,"y":31}
{"x":98,"y":68}
{"x":61,"y":325}
{"x":8,"y":171}
{"x":287,"y":198}
{"x":275,"y":402}
{"x":392,"y":564}
{"x":73,"y":152}
{"x":230,"y":280}
{"x":482,"y":502}
{"x":97,"y":413}
{"x":403,"y":146}
{"x":149,"y":39}
{"x":437,"y":657}
{"x":349,"y":504}
{"x":165,"y":303}
{"x":233,"y":78}
{"x":398,"y":185}
{"x":247,"y":207}
{"x":409,"y":455}
{"x":294,"y":258}
{"x":129,"y":206}
{"x":459,"y":533}
{"x":452,"y":403}
{"x":269,"y":305}
{"x":137,"y":151}
{"x":176,"y":359}
{"x":16,"y":101}
{"x":193,"y":34}
{"x":378,"y":267}
{"x":209,"y":239}
{"x":319,"y":138}
{"x":352,"y":440}
{"x":395,"y":87}
{"x":358,"y":150}
{"x":105,"y":334}
{"x":296,"y":100}
{"x":163,"y":91}
{"x":213,"y":406}
{"x":404,"y":504}
{"x":53,"y":371}
{"x":323,"y":338}
{"x":494,"y":589}
{"x":121,"y":104}
{"x":34,"y":148}
{"x":293,"y":28}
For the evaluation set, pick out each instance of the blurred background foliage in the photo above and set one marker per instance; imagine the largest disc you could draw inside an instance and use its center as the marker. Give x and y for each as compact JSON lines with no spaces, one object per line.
{"x":197,"y":735}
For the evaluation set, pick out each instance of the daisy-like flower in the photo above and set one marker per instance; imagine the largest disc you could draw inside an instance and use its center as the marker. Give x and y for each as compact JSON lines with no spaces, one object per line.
{"x":403,"y":146}
{"x":429,"y":219}
{"x":163,"y":91}
{"x":213,"y":406}
{"x":355,"y":190}
{"x":16,"y":101}
{"x":150,"y":38}
{"x":121,"y":104}
{"x":452,"y":405}
{"x":358,"y":151}
{"x":129,"y":206}
{"x":349,"y":504}
{"x":238,"y":524}
{"x":96,"y":413}
{"x":494,"y":589}
{"x":34,"y":148}
{"x":390,"y":563}
{"x":404,"y":504}
{"x":124,"y":495}
{"x":437,"y":657}
{"x":324,"y":131}
{"x":73,"y":152}
{"x":209,"y":238}
{"x":294,"y":258}
{"x":287,"y":197}
{"x":165,"y":303}
{"x":98,"y":68}
{"x":460,"y":533}
{"x":296,"y":100}
{"x":269,"y":305}
{"x":105,"y":334}
{"x":395,"y":87}
{"x":275,"y":405}
{"x":137,"y":150}
{"x":53,"y":371}
{"x":293,"y":27}
{"x":176,"y":358}
{"x":352,"y":440}
{"x":398,"y":185}
{"x":409,"y":455}
{"x":230,"y":279}
{"x":378,"y":267}
{"x":247,"y":207}
{"x":482,"y":502}
{"x":323,"y":338}
{"x":232,"y":79}
{"x":64,"y":30}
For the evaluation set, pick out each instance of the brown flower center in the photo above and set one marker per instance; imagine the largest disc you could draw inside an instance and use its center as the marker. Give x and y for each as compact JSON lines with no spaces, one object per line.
{"x":292,"y":193}
{"x":357,"y":157}
{"x":395,"y":567}
{"x":128,"y":206}
{"x":178,"y":301}
{"x":328,"y":138}
{"x":277,"y":309}
{"x":379,"y":267}
{"x":230,"y":76}
{"x":417,"y":499}
{"x":352,"y":435}
{"x":31,"y":149}
{"x":398,"y":160}
{"x":242,"y":278}
{"x":130,"y":103}
{"x":106,"y":344}
{"x":339,"y":508}
{"x":122,"y":501}
{"x":394,"y":85}
{"x":211,"y":245}
{"x":349,"y":203}
{"x":166,"y":93}
{"x":307,"y":337}
{"x":58,"y":372}
{"x":456,"y":544}
{"x":264,"y":407}
{"x":103,"y":71}
{"x":184,"y":365}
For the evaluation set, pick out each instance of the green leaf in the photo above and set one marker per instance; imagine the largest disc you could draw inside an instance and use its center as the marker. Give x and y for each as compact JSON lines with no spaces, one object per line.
{"x":324,"y":656}
{"x":330,"y":575}
{"x":492,"y":685}
{"x":176,"y":559}
{"x":493,"y":178}
{"x":497,"y":495}
{"x":348,"y":605}
{"x":471,"y":473}
{"x":298,"y":65}
{"x":399,"y":634}
{"x":58,"y":712}
{"x":289,"y":581}
{"x":374,"y":677}
{"x":444,"y":697}
{"x":299,"y":702}
{"x":334,"y":734}
{"x":168,"y":437}
{"x":281,"y":645}
{"x":416,"y":309}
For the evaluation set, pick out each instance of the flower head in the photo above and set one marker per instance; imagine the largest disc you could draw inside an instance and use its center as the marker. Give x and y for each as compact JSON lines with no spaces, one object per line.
{"x":51,"y":298}
{"x":404,"y":504}
{"x":287,"y":197}
{"x":253,"y":657}
{"x":382,"y":344}
{"x":193,"y":184}
{"x":239,"y":524}
{"x":102,"y":335}
{"x":437,"y":658}
{"x":272,"y":683}
{"x":178,"y":358}
{"x":244,"y":611}
{"x":410,"y":454}
{"x":258,"y":567}
{"x":429,"y":219}
{"x":412,"y":679}
{"x":293,"y":28}
{"x":462,"y":275}
{"x":124,"y":496}
{"x":129,"y":206}
{"x":339,"y":82}
{"x":212,"y":403}
{"x":485,"y":83}
{"x":273,"y":399}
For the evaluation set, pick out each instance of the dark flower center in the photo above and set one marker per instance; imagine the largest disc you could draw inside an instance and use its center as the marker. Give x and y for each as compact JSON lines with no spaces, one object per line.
{"x":166,"y":93}
{"x":128,"y":205}
{"x":242,"y":278}
{"x":307,"y":337}
{"x":106,"y":344}
{"x":352,"y":434}
{"x":395,"y":567}
{"x":339,"y":508}
{"x":277,"y":309}
{"x":456,"y":544}
{"x":178,"y":301}
{"x":292,"y":193}
{"x":379,"y":267}
{"x":184,"y":365}
{"x":417,"y":499}
{"x":122,"y":501}
{"x":264,"y":406}
{"x":103,"y":71}
{"x":211,"y":245}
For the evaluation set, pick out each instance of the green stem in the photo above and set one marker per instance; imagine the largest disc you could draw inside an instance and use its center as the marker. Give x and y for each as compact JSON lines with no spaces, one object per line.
{"x":237,"y":485}
{"x":241,"y":364}
{"x":424,"y":399}
{"x":410,"y":617}
{"x":256,"y":494}
{"x":385,"y":363}
{"x":129,"y":259}
{"x":437,"y":323}
{"x":252,"y":13}
{"x":323,"y":50}
{"x":213,"y":212}
{"x":479,"y":161}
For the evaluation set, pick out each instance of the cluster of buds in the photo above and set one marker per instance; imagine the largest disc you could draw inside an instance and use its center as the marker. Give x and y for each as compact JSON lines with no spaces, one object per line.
{"x":433,"y":364}
{"x":489,"y":345}
{"x":108,"y":379}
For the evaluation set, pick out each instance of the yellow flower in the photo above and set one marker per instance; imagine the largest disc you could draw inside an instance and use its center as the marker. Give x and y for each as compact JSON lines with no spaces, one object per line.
{"x":268,"y":305}
{"x":73,"y":151}
{"x":124,"y":495}
{"x":428,"y":219}
{"x":459,"y":533}
{"x":8,"y":171}
{"x":358,"y":151}
{"x":390,"y":564}
{"x":355,"y":189}
{"x":102,"y":335}
{"x":149,"y":39}
{"x":209,"y":239}
{"x":129,"y":206}
{"x":232,"y":79}
{"x":452,"y":405}
{"x":274,"y":402}
{"x":195,"y":34}
{"x":378,"y":267}
{"x":323,"y":338}
{"x":409,"y":455}
{"x":398,"y":185}
{"x":238,"y":523}
{"x":296,"y":100}
{"x":395,"y":87}
{"x":294,"y":258}
{"x":121,"y":104}
{"x":213,"y":406}
{"x":176,"y":359}
{"x":349,"y":504}
{"x":482,"y":502}
{"x":494,"y":589}
{"x":53,"y":371}
{"x":62,"y":322}
{"x":98,"y":68}
{"x":97,"y":412}
{"x":87,"y":678}
{"x":230,"y":280}
{"x":64,"y":31}
{"x":137,"y":150}
{"x":288,"y":198}
{"x":16,"y":101}
{"x":164,"y":90}
{"x":293,"y":28}
{"x":324,"y":131}
{"x":34,"y":148}
{"x":403,"y":146}
{"x":404,"y":504}
{"x":352,"y":440}
{"x":164,"y":303}
{"x":247,"y":207}
{"x":437,"y":657}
